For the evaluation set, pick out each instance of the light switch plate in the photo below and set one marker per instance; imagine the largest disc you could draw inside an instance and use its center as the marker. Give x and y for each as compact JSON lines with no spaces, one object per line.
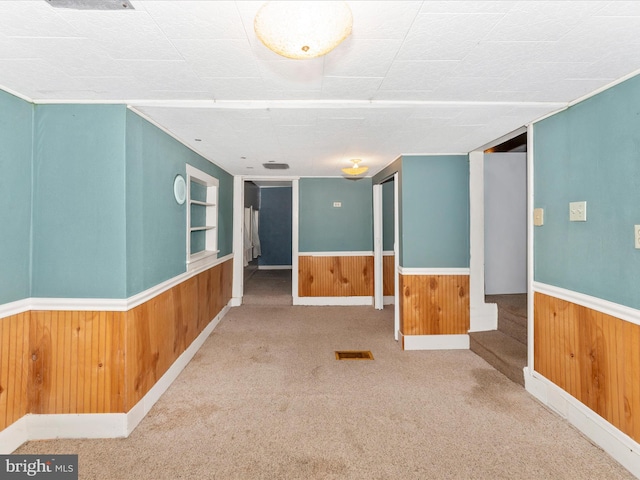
{"x":538,"y":217}
{"x":636,"y":235}
{"x":337,"y":204}
{"x":578,"y":212}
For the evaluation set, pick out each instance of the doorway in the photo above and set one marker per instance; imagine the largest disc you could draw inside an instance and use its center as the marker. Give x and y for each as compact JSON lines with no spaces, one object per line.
{"x":267,"y":243}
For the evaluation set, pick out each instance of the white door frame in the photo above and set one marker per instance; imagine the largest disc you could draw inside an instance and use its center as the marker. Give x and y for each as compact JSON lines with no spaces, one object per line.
{"x":378,"y":278}
{"x":238,"y":233}
{"x":378,"y":251}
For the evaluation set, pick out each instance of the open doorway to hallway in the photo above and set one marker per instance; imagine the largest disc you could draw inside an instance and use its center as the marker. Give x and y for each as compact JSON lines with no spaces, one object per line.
{"x":267,"y":243}
{"x":505,"y":240}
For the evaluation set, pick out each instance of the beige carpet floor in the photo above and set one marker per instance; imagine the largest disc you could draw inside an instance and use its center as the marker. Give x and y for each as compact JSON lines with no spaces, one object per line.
{"x":265,"y":398}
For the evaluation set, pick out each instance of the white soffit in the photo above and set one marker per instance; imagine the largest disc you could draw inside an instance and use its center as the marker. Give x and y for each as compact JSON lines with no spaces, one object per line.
{"x":424,"y":77}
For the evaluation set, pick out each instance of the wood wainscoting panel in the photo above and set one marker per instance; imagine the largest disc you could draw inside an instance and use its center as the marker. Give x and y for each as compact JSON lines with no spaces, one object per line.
{"x":14,"y":367}
{"x":388,"y":280}
{"x":76,"y":362}
{"x":57,"y":362}
{"x":434,"y":304}
{"x":160,"y":330}
{"x":592,"y":356}
{"x":350,"y":276}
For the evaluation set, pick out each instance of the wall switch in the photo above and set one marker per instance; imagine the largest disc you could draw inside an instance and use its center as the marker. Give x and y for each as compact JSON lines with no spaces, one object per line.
{"x":636,"y":235}
{"x":337,"y":204}
{"x":538,"y":217}
{"x":578,"y":212}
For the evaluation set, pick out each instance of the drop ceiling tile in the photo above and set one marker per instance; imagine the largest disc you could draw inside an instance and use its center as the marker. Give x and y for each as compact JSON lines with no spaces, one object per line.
{"x":542,"y":21}
{"x":130,"y":34}
{"x":218,"y":58}
{"x":383,"y":19}
{"x":417,"y":75}
{"x":350,"y":87}
{"x":163,"y":75}
{"x":362,"y":58}
{"x":43,"y":20}
{"x":236,"y":88}
{"x":196,"y":19}
{"x":467,"y":6}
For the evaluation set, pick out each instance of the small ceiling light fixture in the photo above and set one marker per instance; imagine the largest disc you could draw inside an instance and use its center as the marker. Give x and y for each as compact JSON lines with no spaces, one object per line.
{"x":302,"y":30}
{"x":355,"y":169}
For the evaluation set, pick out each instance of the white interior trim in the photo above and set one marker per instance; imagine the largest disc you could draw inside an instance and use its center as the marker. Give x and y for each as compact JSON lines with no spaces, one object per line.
{"x":100,"y":425}
{"x":238,"y":240}
{"x":274,"y":267}
{"x":433,"y":271}
{"x":483,"y":316}
{"x":388,"y":253}
{"x":335,"y":301}
{"x":295,"y":235}
{"x":336,"y":254}
{"x":102,"y":304}
{"x":598,"y":304}
{"x":378,"y":300}
{"x":435,"y":342}
{"x":620,"y":446}
{"x":396,"y":258}
{"x":530,"y":250}
{"x":389,"y":300}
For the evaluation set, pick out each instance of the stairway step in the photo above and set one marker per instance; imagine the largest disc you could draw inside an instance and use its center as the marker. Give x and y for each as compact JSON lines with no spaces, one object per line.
{"x":279,"y":300}
{"x":513,"y":325}
{"x":502,"y":352}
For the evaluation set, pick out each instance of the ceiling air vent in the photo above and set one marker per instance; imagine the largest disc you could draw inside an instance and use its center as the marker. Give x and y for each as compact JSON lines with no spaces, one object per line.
{"x":276,"y":166}
{"x":92,"y":4}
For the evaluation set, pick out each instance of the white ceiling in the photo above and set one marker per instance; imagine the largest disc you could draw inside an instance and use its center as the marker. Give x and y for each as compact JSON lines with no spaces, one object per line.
{"x":414,"y":77}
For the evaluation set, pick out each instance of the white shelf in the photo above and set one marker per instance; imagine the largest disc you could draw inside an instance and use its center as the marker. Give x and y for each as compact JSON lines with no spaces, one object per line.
{"x":199,"y":229}
{"x":204,"y":204}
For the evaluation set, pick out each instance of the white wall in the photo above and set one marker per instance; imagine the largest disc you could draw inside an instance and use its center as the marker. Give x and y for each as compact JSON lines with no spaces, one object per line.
{"x":505,"y":233}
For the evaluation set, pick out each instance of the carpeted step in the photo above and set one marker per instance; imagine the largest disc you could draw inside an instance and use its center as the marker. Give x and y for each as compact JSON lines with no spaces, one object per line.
{"x":502,"y":352}
{"x":279,"y":300}
{"x":513,"y":324}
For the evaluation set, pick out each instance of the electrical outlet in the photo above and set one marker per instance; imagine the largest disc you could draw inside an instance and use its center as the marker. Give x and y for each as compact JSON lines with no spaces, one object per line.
{"x":337,"y":204}
{"x":578,"y":212}
{"x":636,"y":235}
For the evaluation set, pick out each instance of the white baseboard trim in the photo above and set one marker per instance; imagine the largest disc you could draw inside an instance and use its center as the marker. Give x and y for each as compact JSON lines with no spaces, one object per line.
{"x":434,"y":342}
{"x":13,"y":436}
{"x":100,"y":425}
{"x":598,"y":304}
{"x":332,"y":301}
{"x":620,"y":446}
{"x":483,"y":317}
{"x":388,"y":300}
{"x":274,"y":267}
{"x":235,"y":302}
{"x":433,"y":271}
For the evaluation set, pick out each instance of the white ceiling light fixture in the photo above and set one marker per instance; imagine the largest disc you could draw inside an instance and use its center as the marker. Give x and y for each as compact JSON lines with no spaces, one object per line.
{"x":302,"y":30}
{"x":355,"y":169}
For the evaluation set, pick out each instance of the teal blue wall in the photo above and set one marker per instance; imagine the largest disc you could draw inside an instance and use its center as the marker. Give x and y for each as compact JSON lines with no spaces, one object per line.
{"x":388,"y":214}
{"x":324,"y":228}
{"x":435,"y":212}
{"x":79,"y":201}
{"x":274,"y":226}
{"x":16,"y":126}
{"x":591,"y":152}
{"x":156,"y":241}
